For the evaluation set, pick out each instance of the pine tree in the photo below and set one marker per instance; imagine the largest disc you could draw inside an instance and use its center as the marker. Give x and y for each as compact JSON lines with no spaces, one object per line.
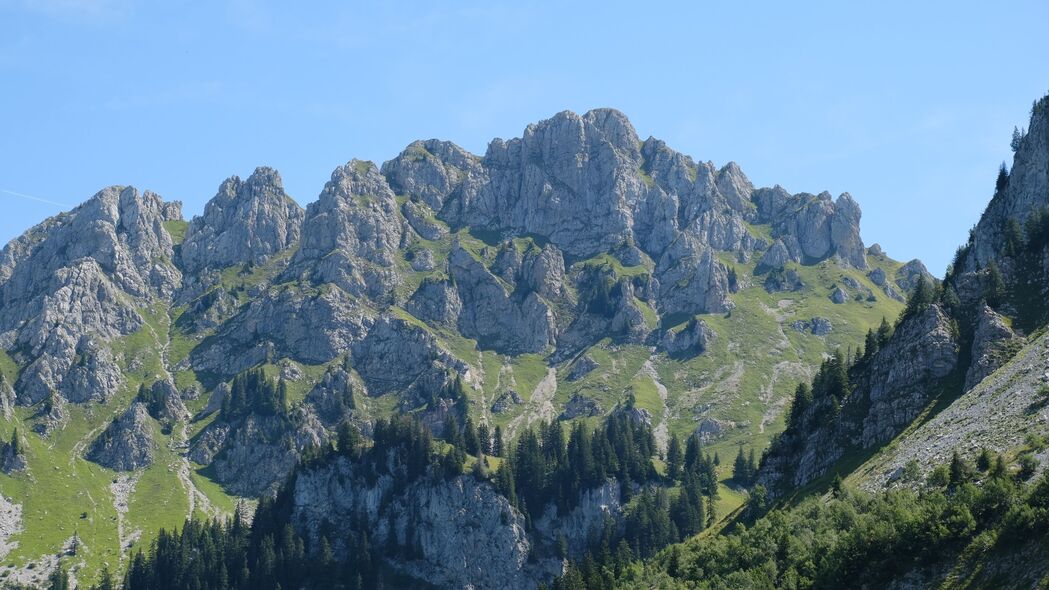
{"x":497,"y":442}
{"x":471,"y":441}
{"x":994,"y":287}
{"x":983,"y":462}
{"x":802,"y":401}
{"x":740,"y":470}
{"x":884,"y":333}
{"x":484,"y":434}
{"x":58,"y":580}
{"x":674,"y":457}
{"x":920,"y":298}
{"x":752,"y":466}
{"x":1000,"y":470}
{"x":960,"y":471}
{"x":349,"y":441}
{"x":1017,"y":139}
{"x":1002,"y":180}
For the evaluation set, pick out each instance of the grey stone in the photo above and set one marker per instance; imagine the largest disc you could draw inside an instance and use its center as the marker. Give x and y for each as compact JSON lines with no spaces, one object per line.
{"x":127,"y":443}
{"x":246,"y":221}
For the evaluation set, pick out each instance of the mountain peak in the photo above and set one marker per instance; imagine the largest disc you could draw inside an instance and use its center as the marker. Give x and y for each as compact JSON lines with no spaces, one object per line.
{"x":246,"y":221}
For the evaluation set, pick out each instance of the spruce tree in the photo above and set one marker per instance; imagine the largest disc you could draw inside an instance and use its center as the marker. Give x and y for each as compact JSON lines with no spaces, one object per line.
{"x":471,"y":441}
{"x":740,"y":471}
{"x":674,"y":458}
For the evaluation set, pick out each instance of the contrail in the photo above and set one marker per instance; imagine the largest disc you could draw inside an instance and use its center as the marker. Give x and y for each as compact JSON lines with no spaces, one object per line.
{"x":32,"y":198}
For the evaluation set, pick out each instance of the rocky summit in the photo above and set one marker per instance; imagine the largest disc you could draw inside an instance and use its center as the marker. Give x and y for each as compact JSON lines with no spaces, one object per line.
{"x":473,"y":371}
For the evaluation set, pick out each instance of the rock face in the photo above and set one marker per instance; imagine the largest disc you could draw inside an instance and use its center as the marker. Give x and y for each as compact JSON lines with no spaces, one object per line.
{"x":351,"y":234}
{"x":909,"y":274}
{"x":997,"y":414}
{"x":899,"y":381}
{"x":822,"y":226}
{"x":689,"y":341}
{"x":246,"y":221}
{"x":127,"y":444}
{"x":76,"y":279}
{"x":254,"y":454}
{"x":439,"y":284}
{"x":905,"y":372}
{"x":994,"y":342}
{"x":510,"y":322}
{"x":1025,"y":190}
{"x":466,"y":535}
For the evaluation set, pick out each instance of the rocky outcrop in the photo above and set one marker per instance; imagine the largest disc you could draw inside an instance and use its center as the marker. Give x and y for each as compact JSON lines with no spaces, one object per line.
{"x":307,"y":326}
{"x":12,"y":456}
{"x":580,"y":406}
{"x":246,"y":221}
{"x":994,"y":342}
{"x":436,"y":302}
{"x":905,"y":373}
{"x":581,"y":367}
{"x":596,"y":508}
{"x":73,"y":283}
{"x":999,"y":414}
{"x":423,"y":366}
{"x":822,"y":226}
{"x":839,"y":296}
{"x":775,"y":258}
{"x":691,"y":279}
{"x":908,"y":275}
{"x":889,"y":391}
{"x":351,"y":234}
{"x":511,"y":322}
{"x":1023,"y":191}
{"x":689,"y":341}
{"x":127,"y":443}
{"x":464,"y":533}
{"x":164,"y":403}
{"x":817,"y":326}
{"x":253,"y":454}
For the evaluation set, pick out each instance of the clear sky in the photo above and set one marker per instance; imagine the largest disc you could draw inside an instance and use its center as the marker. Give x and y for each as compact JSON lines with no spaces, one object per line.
{"x":909,"y":106}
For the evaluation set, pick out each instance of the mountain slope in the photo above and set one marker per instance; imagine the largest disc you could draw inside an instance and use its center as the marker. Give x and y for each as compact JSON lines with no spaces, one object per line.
{"x":562,"y":275}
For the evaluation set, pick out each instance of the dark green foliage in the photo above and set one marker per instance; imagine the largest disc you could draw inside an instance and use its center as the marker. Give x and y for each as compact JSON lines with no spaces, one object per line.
{"x":349,"y":442}
{"x":849,"y":540}
{"x":497,"y":442}
{"x":802,"y":402}
{"x":252,"y":392}
{"x":994,"y":285}
{"x":960,"y":471}
{"x":546,"y":470}
{"x":154,"y":401}
{"x":1003,"y":179}
{"x":1014,"y":237}
{"x":59,"y":580}
{"x":984,"y":461}
{"x":471,"y":439}
{"x":484,"y":437}
{"x":1028,"y":465}
{"x":674,"y":458}
{"x":648,"y":524}
{"x":923,"y":295}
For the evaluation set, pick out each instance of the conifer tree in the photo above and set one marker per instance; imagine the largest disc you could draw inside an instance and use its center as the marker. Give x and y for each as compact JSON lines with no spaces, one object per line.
{"x":674,"y":457}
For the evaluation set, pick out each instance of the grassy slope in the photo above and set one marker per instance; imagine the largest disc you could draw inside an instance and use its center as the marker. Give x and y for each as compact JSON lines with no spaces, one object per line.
{"x":743,"y":381}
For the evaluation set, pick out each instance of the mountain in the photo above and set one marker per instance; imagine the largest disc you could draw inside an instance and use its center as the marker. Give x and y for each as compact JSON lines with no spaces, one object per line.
{"x":935,"y":379}
{"x":919,"y":462}
{"x":155,"y":369}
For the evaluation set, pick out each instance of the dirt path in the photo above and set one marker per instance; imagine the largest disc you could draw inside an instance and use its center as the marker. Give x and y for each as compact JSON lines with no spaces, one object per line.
{"x":10,"y":525}
{"x":540,"y":405}
{"x":122,"y":489}
{"x":662,"y":431}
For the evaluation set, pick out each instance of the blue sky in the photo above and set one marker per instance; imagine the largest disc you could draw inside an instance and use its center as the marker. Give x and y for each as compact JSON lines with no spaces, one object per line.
{"x":908,"y":106}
